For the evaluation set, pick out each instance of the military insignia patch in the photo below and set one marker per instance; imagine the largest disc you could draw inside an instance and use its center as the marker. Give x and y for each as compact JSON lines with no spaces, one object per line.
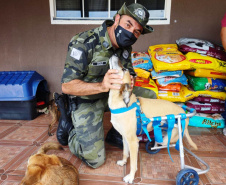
{"x":140,"y":13}
{"x":125,"y":54}
{"x":76,"y":54}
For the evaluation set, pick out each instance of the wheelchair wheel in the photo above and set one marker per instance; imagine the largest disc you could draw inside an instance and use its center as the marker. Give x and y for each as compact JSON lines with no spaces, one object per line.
{"x":187,"y":176}
{"x":149,"y":145}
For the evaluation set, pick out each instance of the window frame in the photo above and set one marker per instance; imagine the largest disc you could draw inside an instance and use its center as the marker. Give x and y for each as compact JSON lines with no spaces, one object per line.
{"x":52,"y":5}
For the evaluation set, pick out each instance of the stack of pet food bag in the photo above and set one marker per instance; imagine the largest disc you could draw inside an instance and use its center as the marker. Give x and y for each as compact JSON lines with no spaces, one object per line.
{"x":192,"y":72}
{"x":143,"y":66}
{"x":207,"y":78}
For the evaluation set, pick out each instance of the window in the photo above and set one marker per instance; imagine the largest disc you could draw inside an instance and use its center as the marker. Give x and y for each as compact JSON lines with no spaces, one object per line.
{"x":96,"y":11}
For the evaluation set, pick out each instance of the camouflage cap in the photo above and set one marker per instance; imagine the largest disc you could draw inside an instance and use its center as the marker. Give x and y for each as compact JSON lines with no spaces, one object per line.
{"x":139,"y":13}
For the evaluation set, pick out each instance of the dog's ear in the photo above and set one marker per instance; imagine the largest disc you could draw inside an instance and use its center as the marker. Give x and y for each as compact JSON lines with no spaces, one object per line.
{"x":125,"y":92}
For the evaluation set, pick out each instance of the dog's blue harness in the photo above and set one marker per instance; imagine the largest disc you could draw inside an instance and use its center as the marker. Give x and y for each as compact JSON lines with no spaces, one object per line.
{"x":143,"y":121}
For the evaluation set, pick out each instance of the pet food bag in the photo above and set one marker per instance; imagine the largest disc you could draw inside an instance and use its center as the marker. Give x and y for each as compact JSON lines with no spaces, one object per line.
{"x":212,"y":94}
{"x":172,"y":80}
{"x":201,"y":83}
{"x":198,"y":61}
{"x":206,"y":73}
{"x":156,"y":75}
{"x":142,"y":73}
{"x":141,"y":60}
{"x":203,"y":47}
{"x":208,"y":100}
{"x":167,"y":57}
{"x":146,"y":83}
{"x":170,"y":87}
{"x":207,"y":120}
{"x":184,"y":95}
{"x":206,"y":107}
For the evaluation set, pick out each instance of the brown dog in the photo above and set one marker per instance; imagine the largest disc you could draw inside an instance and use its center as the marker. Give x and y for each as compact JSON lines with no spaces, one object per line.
{"x":43,"y":169}
{"x":126,"y":123}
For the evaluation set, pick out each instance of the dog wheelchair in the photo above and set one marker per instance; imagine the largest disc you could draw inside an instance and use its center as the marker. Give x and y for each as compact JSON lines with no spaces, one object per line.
{"x":187,"y":174}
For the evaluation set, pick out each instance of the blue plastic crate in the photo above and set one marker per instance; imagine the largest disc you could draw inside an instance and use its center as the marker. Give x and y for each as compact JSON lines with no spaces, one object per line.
{"x":19,"y":85}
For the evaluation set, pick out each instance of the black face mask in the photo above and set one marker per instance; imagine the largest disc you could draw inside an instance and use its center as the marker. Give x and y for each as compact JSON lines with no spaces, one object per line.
{"x":124,"y":38}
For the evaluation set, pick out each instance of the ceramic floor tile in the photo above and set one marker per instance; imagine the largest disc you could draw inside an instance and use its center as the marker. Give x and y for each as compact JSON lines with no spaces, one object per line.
{"x":159,"y":166}
{"x":198,"y":131}
{"x":207,"y":143}
{"x":52,"y":138}
{"x":10,"y":183}
{"x":216,"y":174}
{"x":7,"y":153}
{"x":110,"y":168}
{"x":11,"y":179}
{"x":25,"y":133}
{"x":3,"y":128}
{"x":22,"y":138}
{"x":43,"y":119}
{"x":9,"y":121}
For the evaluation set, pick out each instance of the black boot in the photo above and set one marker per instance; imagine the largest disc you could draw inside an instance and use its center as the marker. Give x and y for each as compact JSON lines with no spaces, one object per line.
{"x":114,"y":138}
{"x":63,"y":130}
{"x":65,"y":122}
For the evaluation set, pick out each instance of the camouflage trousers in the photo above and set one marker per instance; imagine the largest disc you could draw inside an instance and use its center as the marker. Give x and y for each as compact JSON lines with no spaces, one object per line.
{"x":86,"y":140}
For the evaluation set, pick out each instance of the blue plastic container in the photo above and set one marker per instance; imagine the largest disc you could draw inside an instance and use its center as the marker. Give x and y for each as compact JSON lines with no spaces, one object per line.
{"x":19,"y":93}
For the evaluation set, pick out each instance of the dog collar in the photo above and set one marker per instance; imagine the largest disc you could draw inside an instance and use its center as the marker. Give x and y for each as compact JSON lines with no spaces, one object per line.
{"x":123,"y":109}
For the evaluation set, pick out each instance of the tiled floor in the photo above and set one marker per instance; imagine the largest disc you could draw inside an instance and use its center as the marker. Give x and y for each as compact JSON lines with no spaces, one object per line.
{"x":20,"y":139}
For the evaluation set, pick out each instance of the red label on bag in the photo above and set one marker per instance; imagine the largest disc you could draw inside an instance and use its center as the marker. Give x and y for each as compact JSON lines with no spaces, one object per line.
{"x":200,"y":61}
{"x":218,"y":73}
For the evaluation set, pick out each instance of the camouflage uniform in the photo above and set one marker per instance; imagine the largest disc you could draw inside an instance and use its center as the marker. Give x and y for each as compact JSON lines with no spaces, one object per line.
{"x":88,"y":60}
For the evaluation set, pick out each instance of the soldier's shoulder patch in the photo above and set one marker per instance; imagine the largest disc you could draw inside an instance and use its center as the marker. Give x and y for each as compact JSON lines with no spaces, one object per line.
{"x":76,"y":53}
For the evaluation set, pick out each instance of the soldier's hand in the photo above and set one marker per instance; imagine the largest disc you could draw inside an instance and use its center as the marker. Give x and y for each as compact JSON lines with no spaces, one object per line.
{"x":110,"y":78}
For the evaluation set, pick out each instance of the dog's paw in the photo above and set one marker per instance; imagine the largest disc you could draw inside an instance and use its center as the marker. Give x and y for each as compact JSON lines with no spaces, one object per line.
{"x":128,"y":179}
{"x":121,"y":162}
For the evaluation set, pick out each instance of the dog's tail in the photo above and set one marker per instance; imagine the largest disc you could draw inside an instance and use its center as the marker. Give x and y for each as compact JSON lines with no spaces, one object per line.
{"x":186,"y":133}
{"x":49,"y":146}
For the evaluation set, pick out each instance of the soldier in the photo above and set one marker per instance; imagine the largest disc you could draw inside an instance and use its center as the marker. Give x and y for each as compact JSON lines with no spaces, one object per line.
{"x":87,"y":79}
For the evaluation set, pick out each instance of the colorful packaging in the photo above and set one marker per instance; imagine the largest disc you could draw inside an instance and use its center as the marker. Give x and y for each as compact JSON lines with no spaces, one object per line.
{"x":206,"y":107}
{"x":172,"y":80}
{"x":198,"y":61}
{"x":167,"y":57}
{"x":184,"y":95}
{"x":208,"y":100}
{"x":156,"y":75}
{"x":141,"y":60}
{"x":142,"y":73}
{"x":212,"y":94}
{"x":170,"y":87}
{"x":201,"y":83}
{"x":207,"y":120}
{"x":206,"y":73}
{"x":148,"y":84}
{"x":201,"y":46}
{"x":188,"y":93}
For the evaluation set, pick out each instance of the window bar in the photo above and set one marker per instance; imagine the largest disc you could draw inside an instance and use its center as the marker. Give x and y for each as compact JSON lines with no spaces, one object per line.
{"x":109,"y":8}
{"x":54,"y":9}
{"x":83,"y":11}
{"x":165,"y":9}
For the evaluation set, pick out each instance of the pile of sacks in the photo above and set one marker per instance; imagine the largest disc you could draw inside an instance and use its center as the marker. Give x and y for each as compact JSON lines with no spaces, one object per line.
{"x":192,"y":71}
